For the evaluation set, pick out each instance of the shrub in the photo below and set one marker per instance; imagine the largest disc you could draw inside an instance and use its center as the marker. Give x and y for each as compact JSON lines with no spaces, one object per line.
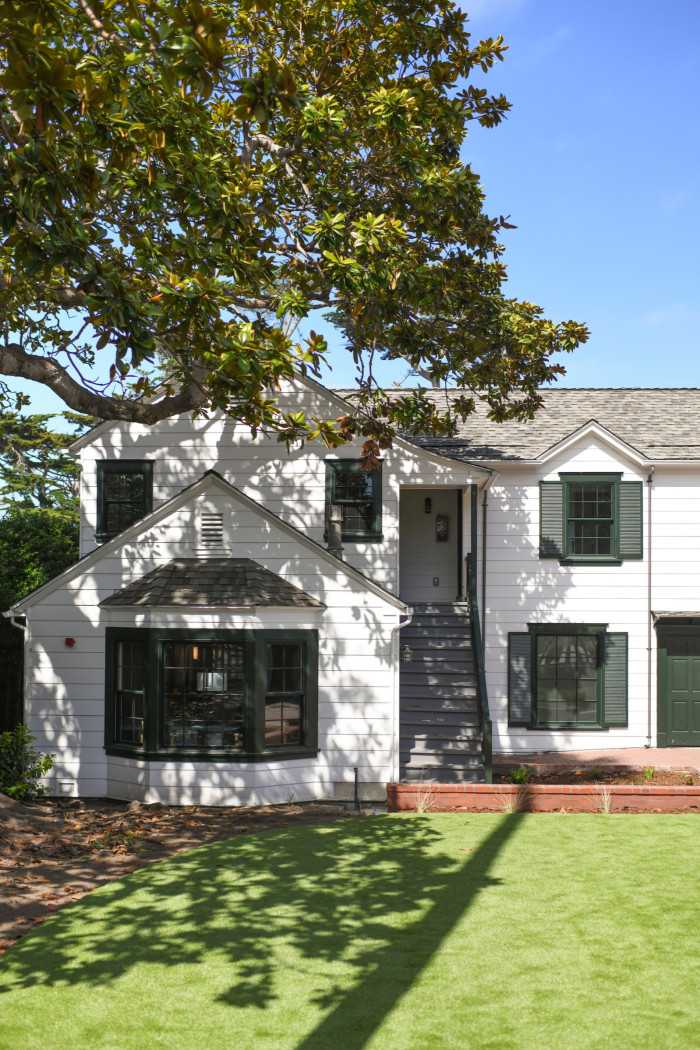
{"x":21,"y":765}
{"x":521,"y":775}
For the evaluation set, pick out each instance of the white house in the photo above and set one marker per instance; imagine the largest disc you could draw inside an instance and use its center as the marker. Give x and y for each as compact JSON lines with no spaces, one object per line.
{"x":522,"y":586}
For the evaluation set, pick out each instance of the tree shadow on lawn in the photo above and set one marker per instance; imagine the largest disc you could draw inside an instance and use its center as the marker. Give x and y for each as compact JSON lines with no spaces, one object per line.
{"x":367,"y":902}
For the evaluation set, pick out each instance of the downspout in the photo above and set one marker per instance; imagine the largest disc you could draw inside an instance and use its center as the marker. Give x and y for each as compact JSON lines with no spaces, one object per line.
{"x":649,"y":625}
{"x":395,"y":710}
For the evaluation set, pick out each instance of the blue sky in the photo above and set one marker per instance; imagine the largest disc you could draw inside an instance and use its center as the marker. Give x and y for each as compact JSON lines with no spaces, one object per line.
{"x":598,"y":165}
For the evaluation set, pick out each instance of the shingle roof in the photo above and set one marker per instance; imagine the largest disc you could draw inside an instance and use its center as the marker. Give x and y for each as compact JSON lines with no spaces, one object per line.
{"x":659,"y":423}
{"x":207,"y":582}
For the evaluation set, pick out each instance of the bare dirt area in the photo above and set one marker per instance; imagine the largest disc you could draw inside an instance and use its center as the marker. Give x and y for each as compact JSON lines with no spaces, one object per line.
{"x":658,"y":777}
{"x":52,"y":854}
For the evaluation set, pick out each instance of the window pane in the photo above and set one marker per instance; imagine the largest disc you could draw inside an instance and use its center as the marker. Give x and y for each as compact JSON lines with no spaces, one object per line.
{"x":125,"y":497}
{"x":567,"y":678}
{"x":353,"y":485}
{"x":590,"y":525}
{"x":356,"y":491}
{"x":284,"y":699}
{"x":203,"y":694}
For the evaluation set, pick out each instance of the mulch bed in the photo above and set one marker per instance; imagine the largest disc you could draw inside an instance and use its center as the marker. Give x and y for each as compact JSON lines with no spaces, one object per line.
{"x":52,"y":854}
{"x":661,"y":777}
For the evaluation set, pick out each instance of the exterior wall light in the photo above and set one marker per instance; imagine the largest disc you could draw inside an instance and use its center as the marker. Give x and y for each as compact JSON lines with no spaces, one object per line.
{"x":406,"y":654}
{"x":428,"y":505}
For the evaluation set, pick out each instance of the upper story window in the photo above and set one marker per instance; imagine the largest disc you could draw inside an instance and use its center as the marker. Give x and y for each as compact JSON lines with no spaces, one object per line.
{"x":124,"y":494}
{"x":591,"y":519}
{"x":211,"y":694}
{"x":359,"y":493}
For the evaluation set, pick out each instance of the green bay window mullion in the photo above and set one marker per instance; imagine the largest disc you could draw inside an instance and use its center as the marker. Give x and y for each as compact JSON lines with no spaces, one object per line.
{"x":154,"y":643}
{"x":258,"y":684}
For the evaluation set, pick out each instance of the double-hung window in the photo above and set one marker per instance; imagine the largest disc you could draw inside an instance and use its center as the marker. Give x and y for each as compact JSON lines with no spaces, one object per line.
{"x":359,"y":493}
{"x":567,"y":676}
{"x":591,"y":519}
{"x":211,"y":694}
{"x":124,"y":494}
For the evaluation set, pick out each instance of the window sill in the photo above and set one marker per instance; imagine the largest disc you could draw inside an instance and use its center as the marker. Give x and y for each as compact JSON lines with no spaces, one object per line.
{"x":590,"y":561}
{"x":203,"y":755}
{"x":358,"y":537}
{"x":593,"y":727}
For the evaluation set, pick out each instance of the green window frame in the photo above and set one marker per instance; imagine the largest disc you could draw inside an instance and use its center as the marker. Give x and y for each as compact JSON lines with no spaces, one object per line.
{"x":359,"y":493}
{"x":216,"y":695}
{"x":124,"y":495}
{"x":567,"y":676}
{"x":591,"y":519}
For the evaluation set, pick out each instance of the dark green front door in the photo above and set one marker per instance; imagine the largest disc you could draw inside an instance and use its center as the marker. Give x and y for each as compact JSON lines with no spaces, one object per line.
{"x":679,"y":688}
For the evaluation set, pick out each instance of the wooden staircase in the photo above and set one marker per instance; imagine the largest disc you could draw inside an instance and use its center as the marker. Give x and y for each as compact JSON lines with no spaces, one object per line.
{"x":440,"y":726}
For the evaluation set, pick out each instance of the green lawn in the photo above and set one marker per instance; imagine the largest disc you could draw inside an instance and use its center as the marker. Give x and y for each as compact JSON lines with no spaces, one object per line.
{"x":392,"y":933}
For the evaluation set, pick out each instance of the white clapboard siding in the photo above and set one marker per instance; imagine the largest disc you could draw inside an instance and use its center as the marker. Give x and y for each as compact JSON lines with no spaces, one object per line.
{"x":521,"y":588}
{"x":356,"y":677}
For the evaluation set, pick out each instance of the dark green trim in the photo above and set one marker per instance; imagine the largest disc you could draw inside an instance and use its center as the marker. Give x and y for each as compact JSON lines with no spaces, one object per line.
{"x":611,"y":698}
{"x":254,"y":686}
{"x":592,"y":479}
{"x":551,"y":519}
{"x":355,"y":466}
{"x":202,"y":755}
{"x":520,"y":648}
{"x":627,"y":526}
{"x":588,"y":560}
{"x":121,"y":466}
{"x":567,"y":628}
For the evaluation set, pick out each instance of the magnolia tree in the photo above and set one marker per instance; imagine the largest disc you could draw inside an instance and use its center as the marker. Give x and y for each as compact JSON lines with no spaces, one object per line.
{"x":181,"y":184}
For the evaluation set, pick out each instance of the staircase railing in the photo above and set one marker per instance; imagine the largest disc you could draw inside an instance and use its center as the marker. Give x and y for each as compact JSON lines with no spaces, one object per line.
{"x":478,"y":651}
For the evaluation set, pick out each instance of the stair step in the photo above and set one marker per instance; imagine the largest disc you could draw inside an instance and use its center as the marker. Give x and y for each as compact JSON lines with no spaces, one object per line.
{"x":436,"y":748}
{"x":443,"y":776}
{"x":457,"y":639}
{"x":416,"y":722}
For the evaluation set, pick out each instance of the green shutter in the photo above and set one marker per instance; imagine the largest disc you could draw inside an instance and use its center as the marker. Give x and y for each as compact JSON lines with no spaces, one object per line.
{"x":551,"y":519}
{"x":519,"y":679}
{"x":615,"y":696}
{"x":631,"y":533}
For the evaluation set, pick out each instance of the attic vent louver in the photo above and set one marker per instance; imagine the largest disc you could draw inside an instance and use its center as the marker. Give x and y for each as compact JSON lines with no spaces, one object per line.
{"x":211,"y":530}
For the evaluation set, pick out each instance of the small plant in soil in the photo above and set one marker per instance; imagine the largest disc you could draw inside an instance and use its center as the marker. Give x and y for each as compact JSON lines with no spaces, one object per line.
{"x":604,"y":796}
{"x":596,"y":773}
{"x":649,"y":772}
{"x":521,"y":775}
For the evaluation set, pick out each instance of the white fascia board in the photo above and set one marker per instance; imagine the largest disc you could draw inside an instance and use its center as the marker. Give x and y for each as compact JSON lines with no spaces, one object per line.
{"x":209,"y":480}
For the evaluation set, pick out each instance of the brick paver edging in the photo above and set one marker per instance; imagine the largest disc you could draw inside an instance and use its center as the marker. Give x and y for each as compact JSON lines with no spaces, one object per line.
{"x":539,"y":798}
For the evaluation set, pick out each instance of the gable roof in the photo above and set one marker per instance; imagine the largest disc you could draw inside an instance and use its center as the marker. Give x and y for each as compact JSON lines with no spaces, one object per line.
{"x":213,"y":582}
{"x":337,"y":398}
{"x":208,"y":480}
{"x":660,"y":424}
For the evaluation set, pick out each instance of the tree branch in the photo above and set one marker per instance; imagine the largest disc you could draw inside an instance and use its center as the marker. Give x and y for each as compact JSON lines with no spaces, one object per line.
{"x":14,"y":361}
{"x":98,"y":26}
